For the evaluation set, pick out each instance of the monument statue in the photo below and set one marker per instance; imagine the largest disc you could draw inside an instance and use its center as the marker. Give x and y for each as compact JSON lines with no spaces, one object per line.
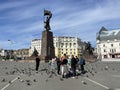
{"x":47,"y":47}
{"x":47,"y":15}
{"x":89,"y":48}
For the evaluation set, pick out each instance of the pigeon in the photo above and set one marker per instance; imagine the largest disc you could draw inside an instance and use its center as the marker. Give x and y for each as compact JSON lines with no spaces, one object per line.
{"x":28,"y":83}
{"x":95,"y":71}
{"x":10,"y":82}
{"x":35,"y":80}
{"x":87,"y":76}
{"x":106,"y":67}
{"x":46,"y":80}
{"x":3,"y":80}
{"x":84,"y":82}
{"x":6,"y":73}
{"x":18,"y":77}
{"x":21,"y":80}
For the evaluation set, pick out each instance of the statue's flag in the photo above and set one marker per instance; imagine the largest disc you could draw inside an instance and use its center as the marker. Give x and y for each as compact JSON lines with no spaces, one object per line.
{"x":46,"y":12}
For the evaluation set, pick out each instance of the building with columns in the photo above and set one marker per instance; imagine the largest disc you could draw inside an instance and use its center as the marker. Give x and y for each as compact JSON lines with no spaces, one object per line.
{"x":62,"y":44}
{"x":108,"y":43}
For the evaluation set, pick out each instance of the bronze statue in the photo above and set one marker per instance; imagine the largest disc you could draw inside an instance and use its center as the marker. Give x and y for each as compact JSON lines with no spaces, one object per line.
{"x":47,"y":15}
{"x":89,"y":48}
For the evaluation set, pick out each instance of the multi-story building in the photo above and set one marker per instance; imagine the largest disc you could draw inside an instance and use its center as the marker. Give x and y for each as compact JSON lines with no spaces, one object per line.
{"x":2,"y":52}
{"x":108,"y":43}
{"x":21,"y":53}
{"x":35,"y":44}
{"x":68,"y":45}
{"x":6,"y":54}
{"x":63,"y":44}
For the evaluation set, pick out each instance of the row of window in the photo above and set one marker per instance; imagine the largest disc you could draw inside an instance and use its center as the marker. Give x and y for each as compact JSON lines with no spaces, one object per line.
{"x":67,"y":49}
{"x":111,"y":45}
{"x":111,"y":50}
{"x":68,"y":53}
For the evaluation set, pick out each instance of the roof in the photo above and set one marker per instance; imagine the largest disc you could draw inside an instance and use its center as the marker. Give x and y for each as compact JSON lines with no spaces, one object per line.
{"x":103,"y":29}
{"x":104,"y":35}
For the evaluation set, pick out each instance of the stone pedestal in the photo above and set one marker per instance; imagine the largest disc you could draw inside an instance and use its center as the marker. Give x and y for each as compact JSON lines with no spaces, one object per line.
{"x":47,"y":47}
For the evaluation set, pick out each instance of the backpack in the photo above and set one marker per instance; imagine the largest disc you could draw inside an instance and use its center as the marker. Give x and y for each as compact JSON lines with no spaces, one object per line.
{"x":65,"y":61}
{"x":82,"y":62}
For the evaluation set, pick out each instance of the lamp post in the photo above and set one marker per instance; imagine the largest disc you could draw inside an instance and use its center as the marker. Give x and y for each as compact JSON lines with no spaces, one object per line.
{"x":10,"y":51}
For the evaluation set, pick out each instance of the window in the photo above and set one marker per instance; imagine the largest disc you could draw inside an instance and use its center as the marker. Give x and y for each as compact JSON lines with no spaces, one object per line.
{"x":70,"y":44}
{"x":56,"y":44}
{"x":114,"y":50}
{"x":105,"y":56}
{"x":103,"y":45}
{"x":66,"y":44}
{"x":104,"y":50}
{"x":111,"y":45}
{"x":62,"y":44}
{"x":74,"y":44}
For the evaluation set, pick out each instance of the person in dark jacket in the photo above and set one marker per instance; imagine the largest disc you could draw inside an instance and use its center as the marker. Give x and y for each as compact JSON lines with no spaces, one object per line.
{"x":37,"y":63}
{"x":58,"y":65}
{"x":73,"y":66}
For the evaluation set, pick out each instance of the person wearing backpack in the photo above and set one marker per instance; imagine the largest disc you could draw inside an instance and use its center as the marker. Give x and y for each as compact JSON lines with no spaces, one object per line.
{"x":82,"y":63}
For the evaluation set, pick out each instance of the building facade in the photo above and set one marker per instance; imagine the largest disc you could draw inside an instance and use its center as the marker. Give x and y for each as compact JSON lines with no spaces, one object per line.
{"x":35,"y":44}
{"x":108,"y":43}
{"x":63,"y":44}
{"x":21,"y":53}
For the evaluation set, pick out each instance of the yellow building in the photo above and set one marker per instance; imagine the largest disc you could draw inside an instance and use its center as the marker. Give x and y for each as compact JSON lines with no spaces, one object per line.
{"x":67,"y":45}
{"x":63,"y":45}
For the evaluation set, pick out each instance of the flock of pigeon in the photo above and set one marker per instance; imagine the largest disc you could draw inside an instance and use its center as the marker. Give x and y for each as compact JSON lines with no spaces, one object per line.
{"x":27,"y":69}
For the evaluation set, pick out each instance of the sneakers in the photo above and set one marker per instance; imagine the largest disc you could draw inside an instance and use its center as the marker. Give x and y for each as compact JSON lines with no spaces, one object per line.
{"x":73,"y":77}
{"x":76,"y":77}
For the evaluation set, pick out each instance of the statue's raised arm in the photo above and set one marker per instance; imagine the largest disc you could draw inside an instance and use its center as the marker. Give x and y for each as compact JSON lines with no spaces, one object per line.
{"x":47,"y":15}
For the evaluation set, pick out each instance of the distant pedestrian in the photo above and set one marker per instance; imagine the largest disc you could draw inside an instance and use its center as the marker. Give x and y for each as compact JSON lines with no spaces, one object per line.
{"x":82,"y":63}
{"x":73,"y":66}
{"x":64,"y":62}
{"x":77,"y":59}
{"x":69,"y":63}
{"x":58,"y":65}
{"x":37,"y":63}
{"x":53,"y":64}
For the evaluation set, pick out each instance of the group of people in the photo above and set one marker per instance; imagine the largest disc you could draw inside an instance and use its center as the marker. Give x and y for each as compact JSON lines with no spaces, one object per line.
{"x":66,"y":66}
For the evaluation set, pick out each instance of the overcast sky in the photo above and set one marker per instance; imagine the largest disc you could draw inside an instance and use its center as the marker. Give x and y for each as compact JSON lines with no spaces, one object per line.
{"x":22,"y":20}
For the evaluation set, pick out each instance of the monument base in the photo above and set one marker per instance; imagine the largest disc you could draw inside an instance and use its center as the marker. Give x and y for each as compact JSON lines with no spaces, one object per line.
{"x":47,"y":47}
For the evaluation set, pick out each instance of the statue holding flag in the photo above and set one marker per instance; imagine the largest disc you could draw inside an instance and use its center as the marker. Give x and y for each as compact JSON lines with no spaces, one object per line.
{"x":47,"y":46}
{"x":47,"y":15}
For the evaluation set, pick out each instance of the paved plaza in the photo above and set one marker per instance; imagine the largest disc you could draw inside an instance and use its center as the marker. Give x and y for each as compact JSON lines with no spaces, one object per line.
{"x":22,"y":76}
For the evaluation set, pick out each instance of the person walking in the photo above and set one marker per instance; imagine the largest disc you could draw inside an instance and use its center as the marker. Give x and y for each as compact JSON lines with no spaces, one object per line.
{"x":58,"y":65}
{"x":37,"y":63}
{"x":73,"y":66}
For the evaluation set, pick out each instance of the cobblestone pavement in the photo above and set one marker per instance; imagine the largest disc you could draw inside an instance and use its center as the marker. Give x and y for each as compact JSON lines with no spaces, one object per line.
{"x":22,"y":76}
